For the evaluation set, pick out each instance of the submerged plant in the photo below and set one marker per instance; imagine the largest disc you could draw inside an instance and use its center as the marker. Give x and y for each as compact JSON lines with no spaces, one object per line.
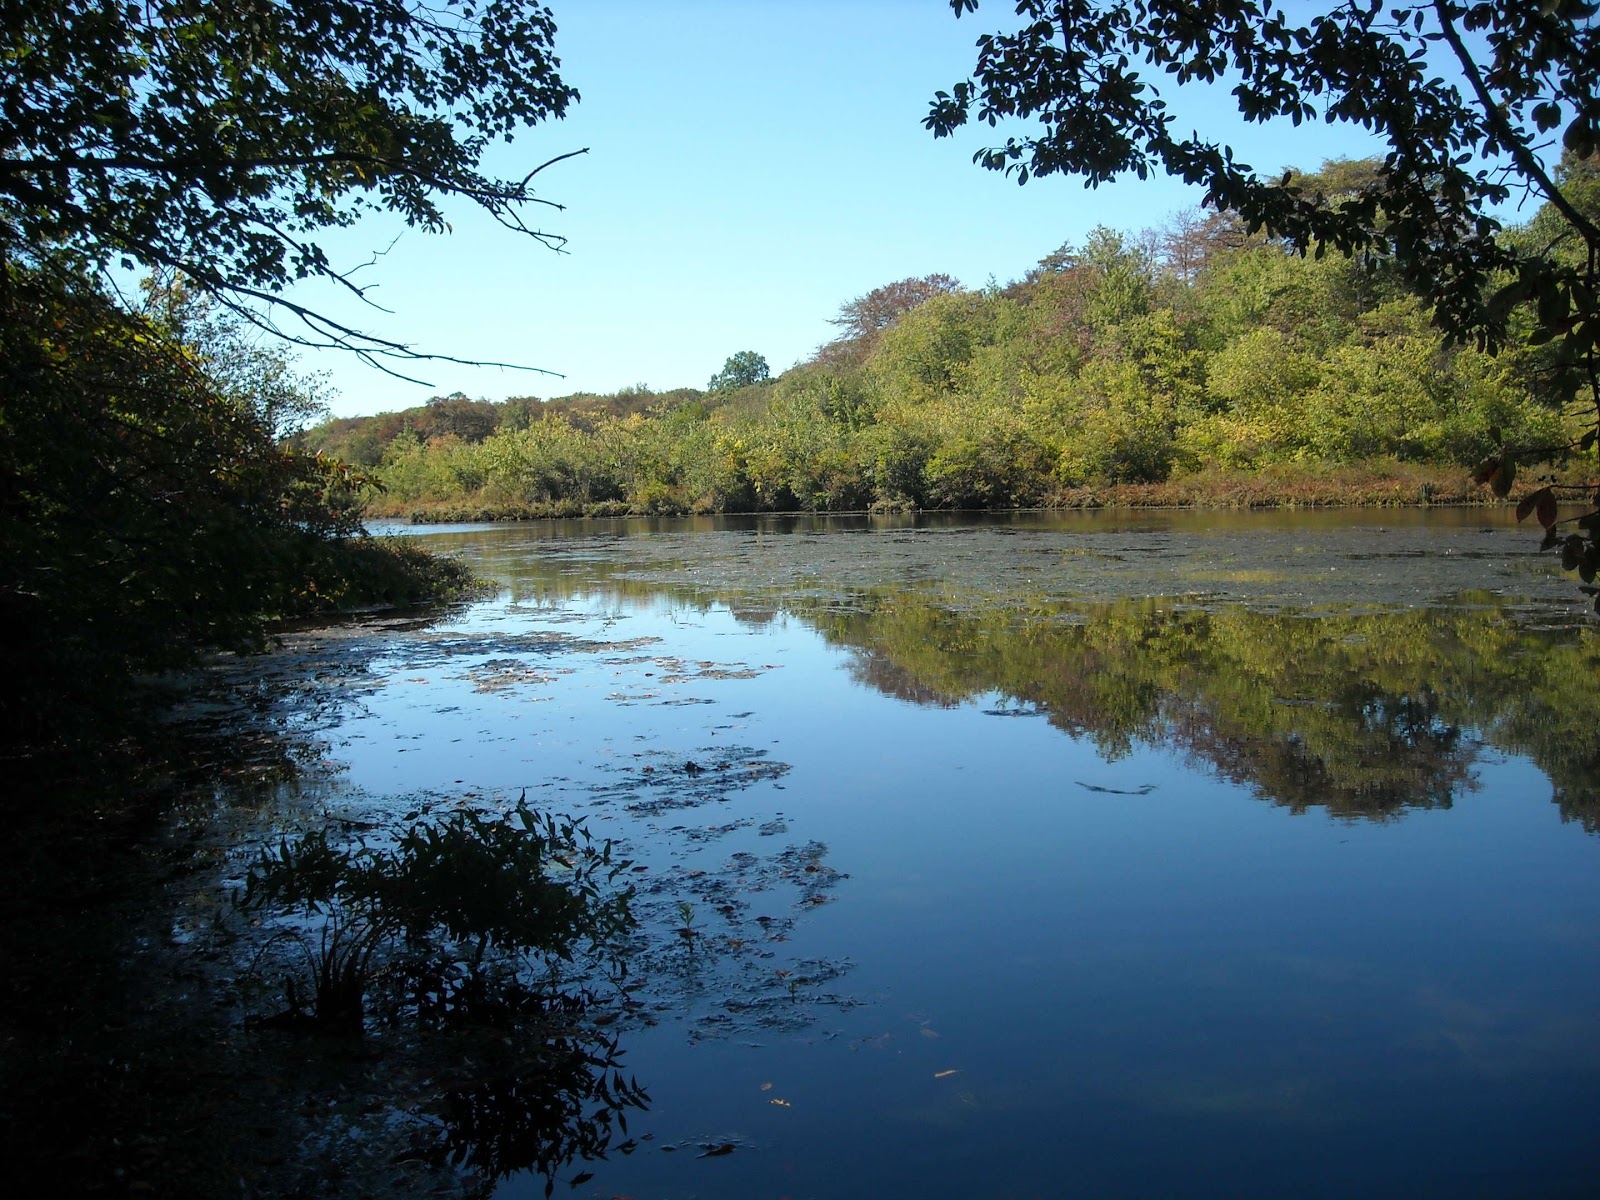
{"x":473,"y":918}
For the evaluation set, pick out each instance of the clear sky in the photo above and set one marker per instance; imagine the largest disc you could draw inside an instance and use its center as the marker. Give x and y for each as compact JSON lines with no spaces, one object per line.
{"x":752,"y":166}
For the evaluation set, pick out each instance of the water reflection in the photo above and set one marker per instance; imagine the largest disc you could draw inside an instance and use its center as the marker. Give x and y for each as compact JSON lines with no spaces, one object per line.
{"x":1069,"y":975}
{"x":564,"y":1103}
{"x":1362,"y":714}
{"x":1360,"y":710}
{"x":464,"y":1082}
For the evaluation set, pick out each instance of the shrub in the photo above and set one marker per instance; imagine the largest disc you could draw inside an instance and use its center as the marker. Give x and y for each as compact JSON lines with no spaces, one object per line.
{"x":448,"y":923}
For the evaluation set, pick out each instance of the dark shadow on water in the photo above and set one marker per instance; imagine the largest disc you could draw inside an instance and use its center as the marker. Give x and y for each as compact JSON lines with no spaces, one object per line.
{"x":160,"y":1039}
{"x":567,"y":1106}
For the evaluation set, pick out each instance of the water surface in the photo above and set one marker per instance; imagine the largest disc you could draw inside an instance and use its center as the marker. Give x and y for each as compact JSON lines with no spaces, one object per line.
{"x":1177,"y":854}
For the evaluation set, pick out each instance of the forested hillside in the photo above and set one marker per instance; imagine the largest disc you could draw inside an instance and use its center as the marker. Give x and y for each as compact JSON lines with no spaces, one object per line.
{"x":1196,"y":356}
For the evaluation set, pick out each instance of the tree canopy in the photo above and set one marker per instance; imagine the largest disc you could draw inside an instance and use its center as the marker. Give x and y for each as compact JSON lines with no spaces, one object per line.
{"x":1461,"y":139}
{"x":741,"y":370}
{"x":219,"y":140}
{"x":148,"y":505}
{"x":1470,"y":97}
{"x":882,"y":306}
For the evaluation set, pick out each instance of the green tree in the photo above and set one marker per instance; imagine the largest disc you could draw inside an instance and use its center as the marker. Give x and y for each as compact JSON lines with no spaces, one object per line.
{"x":1089,"y":75}
{"x":147,"y":505}
{"x":218,"y":140}
{"x":1083,"y":70}
{"x":145,"y":511}
{"x":744,"y":369}
{"x":253,"y":370}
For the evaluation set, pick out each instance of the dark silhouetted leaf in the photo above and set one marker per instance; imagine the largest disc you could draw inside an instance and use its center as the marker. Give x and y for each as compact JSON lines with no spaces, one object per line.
{"x":1546,"y":508}
{"x":1542,"y":502}
{"x":1500,"y":483}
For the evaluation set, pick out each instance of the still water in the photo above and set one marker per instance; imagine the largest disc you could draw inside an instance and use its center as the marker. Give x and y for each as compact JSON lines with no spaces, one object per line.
{"x":1178,"y":855}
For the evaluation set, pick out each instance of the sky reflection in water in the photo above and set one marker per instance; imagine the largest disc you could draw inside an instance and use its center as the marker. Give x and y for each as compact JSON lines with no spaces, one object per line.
{"x":1195,"y":896}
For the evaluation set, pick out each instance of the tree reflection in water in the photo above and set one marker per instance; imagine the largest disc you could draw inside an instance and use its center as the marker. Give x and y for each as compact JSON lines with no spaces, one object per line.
{"x":564,"y":1104}
{"x":1363,"y":714}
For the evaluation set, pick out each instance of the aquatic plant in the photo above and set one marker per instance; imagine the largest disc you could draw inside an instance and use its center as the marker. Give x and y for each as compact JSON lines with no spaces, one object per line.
{"x":473,"y":918}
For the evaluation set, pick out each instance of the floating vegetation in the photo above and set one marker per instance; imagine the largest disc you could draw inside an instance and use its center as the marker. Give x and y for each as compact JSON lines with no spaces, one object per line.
{"x":502,"y":674}
{"x":655,"y":782}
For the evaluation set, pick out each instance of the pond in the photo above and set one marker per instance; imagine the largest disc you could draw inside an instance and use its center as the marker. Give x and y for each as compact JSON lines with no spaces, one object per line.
{"x":1044,"y":855}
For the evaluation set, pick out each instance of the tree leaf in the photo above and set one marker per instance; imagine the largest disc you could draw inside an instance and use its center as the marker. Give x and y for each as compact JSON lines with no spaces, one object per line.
{"x":1542,"y":501}
{"x":1546,"y":509}
{"x":1500,"y":483}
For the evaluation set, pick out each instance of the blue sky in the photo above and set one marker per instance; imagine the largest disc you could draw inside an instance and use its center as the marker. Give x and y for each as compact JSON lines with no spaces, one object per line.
{"x":752,"y":166}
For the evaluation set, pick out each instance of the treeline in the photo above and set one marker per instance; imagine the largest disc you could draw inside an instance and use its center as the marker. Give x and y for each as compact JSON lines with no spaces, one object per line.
{"x":1177,"y":357}
{"x":361,"y":441}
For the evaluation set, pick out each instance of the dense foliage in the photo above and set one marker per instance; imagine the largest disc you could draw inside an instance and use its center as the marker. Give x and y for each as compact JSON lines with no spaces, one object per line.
{"x":147,"y":508}
{"x":1193,"y":352}
{"x":220,"y":139}
{"x":1088,"y":76}
{"x":1467,"y":97}
{"x":147,"y":511}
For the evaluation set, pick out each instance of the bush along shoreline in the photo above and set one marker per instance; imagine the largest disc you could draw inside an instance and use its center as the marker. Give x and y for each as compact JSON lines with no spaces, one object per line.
{"x":1396,"y":485}
{"x":152,"y":510}
{"x":1195,"y":365}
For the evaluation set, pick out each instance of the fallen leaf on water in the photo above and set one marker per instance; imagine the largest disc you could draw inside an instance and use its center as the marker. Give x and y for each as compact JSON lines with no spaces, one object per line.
{"x":928,"y":1033}
{"x":716,"y":1151}
{"x":947,"y":1074}
{"x":780,"y":1103}
{"x":766,"y":1087}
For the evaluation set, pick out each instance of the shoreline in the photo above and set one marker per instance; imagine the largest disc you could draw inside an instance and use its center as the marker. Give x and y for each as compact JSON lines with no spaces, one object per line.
{"x":1397,"y":486}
